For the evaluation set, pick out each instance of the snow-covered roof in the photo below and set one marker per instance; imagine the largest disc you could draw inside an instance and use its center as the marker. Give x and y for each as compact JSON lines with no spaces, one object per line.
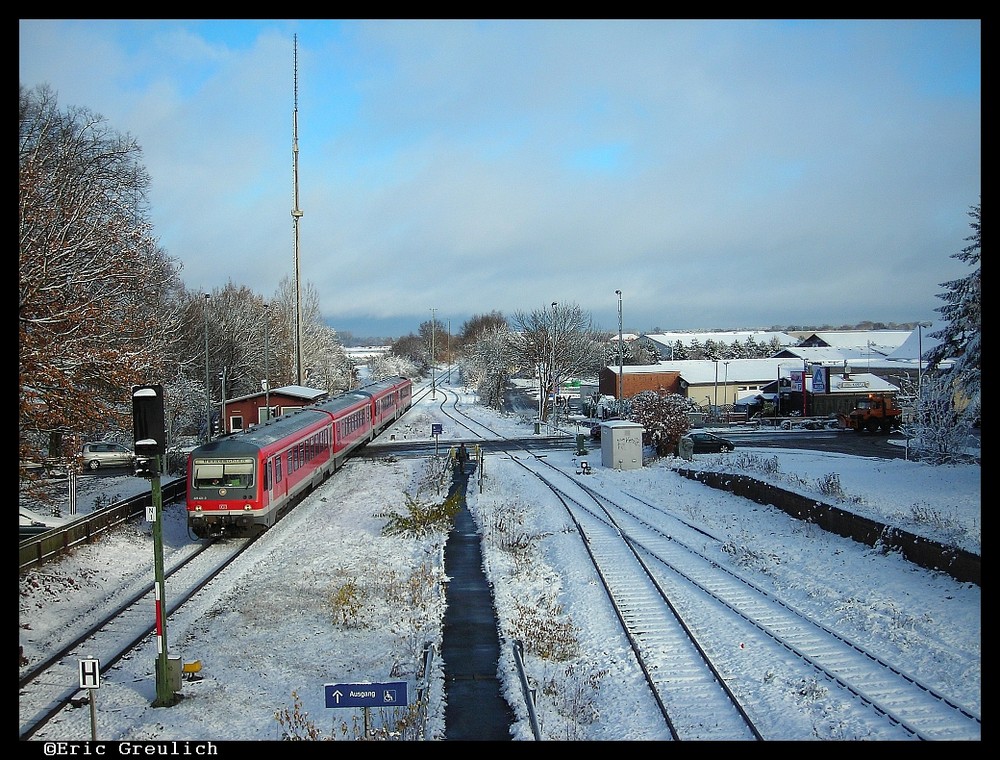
{"x":300,"y":391}
{"x":703,"y":371}
{"x":917,"y":341}
{"x":815,"y":355}
{"x":862,"y":341}
{"x":296,"y":391}
{"x":626,"y":337}
{"x":752,"y":371}
{"x":725,"y":336}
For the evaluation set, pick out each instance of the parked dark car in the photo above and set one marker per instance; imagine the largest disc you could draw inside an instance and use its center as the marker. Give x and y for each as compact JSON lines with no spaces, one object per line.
{"x":707,"y":443}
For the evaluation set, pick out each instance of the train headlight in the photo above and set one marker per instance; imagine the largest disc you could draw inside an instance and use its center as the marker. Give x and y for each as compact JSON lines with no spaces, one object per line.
{"x":247,"y":507}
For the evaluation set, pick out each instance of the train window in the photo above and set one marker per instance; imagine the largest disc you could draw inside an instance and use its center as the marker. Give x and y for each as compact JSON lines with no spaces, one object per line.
{"x":207,"y":475}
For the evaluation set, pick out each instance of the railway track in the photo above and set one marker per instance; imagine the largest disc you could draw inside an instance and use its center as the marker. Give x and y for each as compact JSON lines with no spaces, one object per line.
{"x":51,"y":685}
{"x":681,"y":611}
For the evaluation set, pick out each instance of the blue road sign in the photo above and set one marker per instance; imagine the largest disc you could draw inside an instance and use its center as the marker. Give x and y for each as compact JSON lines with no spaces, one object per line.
{"x":392,"y":694}
{"x":436,"y":428}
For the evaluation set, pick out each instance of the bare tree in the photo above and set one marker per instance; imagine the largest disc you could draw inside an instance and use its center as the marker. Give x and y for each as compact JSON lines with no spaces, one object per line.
{"x":411,"y":347}
{"x":325,"y":364}
{"x":96,"y":294}
{"x":558,"y":342}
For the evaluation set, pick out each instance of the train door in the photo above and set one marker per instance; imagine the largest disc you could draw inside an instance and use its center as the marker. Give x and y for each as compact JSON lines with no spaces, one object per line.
{"x":269,"y":480}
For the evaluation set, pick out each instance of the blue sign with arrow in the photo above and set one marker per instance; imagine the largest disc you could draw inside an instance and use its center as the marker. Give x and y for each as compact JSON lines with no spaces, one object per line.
{"x":392,"y":694}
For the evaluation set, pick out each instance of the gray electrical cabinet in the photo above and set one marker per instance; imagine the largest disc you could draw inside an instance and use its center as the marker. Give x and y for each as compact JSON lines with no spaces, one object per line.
{"x":621,"y":445}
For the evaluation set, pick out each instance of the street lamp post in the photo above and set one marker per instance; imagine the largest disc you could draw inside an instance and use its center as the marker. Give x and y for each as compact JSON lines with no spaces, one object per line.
{"x":208,"y":386}
{"x":920,"y":354}
{"x":552,"y":363}
{"x":805,"y":372}
{"x":222,"y":413}
{"x":725,"y":384}
{"x":267,"y":376}
{"x":716,"y":404}
{"x":433,"y":388}
{"x":621,"y":385}
{"x":777,"y":412}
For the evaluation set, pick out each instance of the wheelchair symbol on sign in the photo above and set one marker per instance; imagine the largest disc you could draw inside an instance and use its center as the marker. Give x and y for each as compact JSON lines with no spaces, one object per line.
{"x":389,"y":696}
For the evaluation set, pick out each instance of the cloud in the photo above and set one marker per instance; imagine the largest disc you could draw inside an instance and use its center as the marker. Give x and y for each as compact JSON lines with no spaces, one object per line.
{"x":735,"y":173}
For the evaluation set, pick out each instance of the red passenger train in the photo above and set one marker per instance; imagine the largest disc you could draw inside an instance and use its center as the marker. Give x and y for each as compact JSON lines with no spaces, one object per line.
{"x":244,"y":482}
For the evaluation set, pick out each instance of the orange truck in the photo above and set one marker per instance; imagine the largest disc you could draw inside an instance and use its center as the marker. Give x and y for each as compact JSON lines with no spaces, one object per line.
{"x":878,"y":412}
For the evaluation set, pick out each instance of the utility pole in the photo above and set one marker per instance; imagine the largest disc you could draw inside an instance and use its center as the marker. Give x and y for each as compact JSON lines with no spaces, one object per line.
{"x":552,"y":364}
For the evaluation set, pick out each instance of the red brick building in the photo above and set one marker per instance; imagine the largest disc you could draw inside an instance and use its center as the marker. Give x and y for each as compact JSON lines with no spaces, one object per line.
{"x":248,"y":410}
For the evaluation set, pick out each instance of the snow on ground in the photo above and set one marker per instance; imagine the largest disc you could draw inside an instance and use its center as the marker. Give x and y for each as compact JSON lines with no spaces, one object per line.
{"x":325,"y":598}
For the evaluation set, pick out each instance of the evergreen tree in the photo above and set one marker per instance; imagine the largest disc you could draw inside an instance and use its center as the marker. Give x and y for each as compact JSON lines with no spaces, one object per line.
{"x":962,"y":334}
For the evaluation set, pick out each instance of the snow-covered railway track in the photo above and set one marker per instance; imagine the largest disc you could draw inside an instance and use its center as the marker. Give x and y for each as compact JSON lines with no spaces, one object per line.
{"x":747,"y":634}
{"x":677,"y":670}
{"x":721,"y":604}
{"x":754,"y":637}
{"x":52,"y":685}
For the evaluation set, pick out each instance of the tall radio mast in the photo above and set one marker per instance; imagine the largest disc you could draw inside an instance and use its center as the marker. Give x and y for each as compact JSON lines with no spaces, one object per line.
{"x":296,"y":213}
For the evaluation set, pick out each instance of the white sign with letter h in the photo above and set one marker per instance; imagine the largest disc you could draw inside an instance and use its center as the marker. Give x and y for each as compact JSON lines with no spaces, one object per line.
{"x":90,"y":674}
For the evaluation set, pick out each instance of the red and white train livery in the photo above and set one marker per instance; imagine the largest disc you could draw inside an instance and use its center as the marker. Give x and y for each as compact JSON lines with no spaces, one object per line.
{"x":244,"y":482}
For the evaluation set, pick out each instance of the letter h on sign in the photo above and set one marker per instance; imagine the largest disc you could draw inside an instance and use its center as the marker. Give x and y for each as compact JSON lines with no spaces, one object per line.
{"x":90,"y":674}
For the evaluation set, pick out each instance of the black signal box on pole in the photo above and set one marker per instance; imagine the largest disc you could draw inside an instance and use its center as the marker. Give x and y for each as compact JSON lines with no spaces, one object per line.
{"x":147,"y":420}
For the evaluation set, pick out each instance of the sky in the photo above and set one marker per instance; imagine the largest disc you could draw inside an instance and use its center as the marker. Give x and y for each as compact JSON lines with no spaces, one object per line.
{"x":721,"y":173}
{"x":264,"y":629}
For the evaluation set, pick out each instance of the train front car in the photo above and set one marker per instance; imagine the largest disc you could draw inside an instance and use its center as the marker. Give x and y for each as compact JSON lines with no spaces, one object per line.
{"x":224,"y":493}
{"x":242,"y":483}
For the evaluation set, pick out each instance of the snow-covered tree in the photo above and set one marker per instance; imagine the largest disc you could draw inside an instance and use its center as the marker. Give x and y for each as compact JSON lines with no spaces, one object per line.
{"x":558,"y":343}
{"x":391,"y":365}
{"x":642,"y":353}
{"x":488,"y":363}
{"x":961,"y":335}
{"x":937,"y":433}
{"x":664,"y":419}
{"x":97,"y":307}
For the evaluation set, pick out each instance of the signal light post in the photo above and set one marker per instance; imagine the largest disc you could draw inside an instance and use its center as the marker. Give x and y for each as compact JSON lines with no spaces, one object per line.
{"x":148,"y":430}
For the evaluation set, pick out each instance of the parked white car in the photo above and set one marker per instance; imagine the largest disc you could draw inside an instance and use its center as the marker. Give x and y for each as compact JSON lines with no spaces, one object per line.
{"x":103,"y":454}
